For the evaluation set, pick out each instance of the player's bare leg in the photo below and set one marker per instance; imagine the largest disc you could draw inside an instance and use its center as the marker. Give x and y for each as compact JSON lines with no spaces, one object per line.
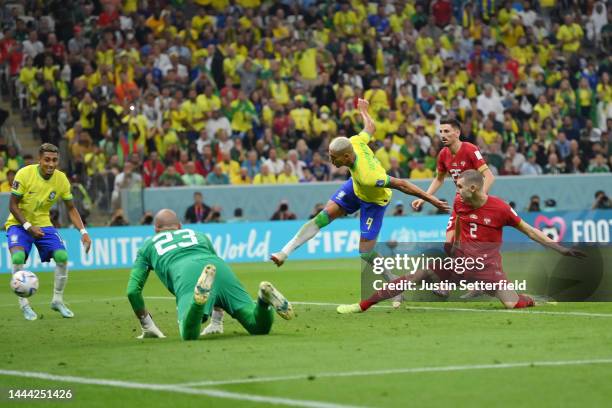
{"x":18,"y":258}
{"x":331,"y":211}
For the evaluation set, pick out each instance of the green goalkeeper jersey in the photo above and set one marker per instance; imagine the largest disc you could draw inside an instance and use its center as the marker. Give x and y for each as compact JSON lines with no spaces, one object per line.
{"x":164,"y":253}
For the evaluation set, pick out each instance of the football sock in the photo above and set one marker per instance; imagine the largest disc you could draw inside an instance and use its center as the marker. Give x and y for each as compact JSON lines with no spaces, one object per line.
{"x":22,"y":301}
{"x":523,"y":302}
{"x":256,"y":319}
{"x":308,"y":230}
{"x":18,"y":258}
{"x":382,"y":294}
{"x":217,"y":316}
{"x":61,"y":276}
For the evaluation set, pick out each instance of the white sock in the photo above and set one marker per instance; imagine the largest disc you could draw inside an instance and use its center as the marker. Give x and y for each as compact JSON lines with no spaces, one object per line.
{"x":308,"y":230}
{"x":22,"y":301}
{"x":61,"y":276}
{"x":217,"y":317}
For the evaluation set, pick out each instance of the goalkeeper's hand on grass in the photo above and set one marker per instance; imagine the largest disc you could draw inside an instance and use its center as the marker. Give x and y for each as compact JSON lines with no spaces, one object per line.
{"x":149,"y":329}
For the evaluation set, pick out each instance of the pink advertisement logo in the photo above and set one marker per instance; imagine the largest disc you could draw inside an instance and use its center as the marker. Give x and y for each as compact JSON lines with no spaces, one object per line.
{"x":553,"y":227}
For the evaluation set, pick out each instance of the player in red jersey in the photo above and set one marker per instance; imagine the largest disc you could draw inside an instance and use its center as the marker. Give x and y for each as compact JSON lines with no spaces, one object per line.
{"x":478,"y":232}
{"x":455,"y":158}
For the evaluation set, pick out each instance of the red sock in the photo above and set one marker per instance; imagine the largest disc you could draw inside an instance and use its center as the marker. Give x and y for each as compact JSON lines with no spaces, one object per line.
{"x":381,"y":295}
{"x":523,"y":302}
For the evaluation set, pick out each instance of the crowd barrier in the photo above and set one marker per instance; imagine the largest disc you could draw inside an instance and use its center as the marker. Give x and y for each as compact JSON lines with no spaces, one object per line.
{"x":259,"y":202}
{"x":116,"y":247}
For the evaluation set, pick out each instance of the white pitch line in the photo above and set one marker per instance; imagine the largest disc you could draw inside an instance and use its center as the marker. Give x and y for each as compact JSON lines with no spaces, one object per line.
{"x":411,"y":370}
{"x":176,"y":389}
{"x":442,"y":309}
{"x":465,"y":309}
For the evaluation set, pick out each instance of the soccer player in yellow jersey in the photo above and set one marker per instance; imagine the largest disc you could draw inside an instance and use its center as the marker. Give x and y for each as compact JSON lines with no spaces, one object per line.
{"x":35,"y":190}
{"x":368,"y":190}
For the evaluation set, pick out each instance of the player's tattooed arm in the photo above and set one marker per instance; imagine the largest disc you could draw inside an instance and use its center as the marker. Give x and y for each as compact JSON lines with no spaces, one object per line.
{"x":34,"y":231}
{"x":435,"y":185}
{"x":541,"y":238}
{"x":407,"y":187}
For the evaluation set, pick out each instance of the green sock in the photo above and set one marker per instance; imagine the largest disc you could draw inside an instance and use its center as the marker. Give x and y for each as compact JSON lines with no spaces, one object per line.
{"x":190,"y":322}
{"x":257,"y":318}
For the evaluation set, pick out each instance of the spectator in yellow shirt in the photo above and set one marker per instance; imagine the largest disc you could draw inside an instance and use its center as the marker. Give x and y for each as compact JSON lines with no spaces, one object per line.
{"x":386,"y":152}
{"x":543,"y":108}
{"x":324,"y":124}
{"x":229,"y":166}
{"x":569,"y":34}
{"x":242,"y":177}
{"x":242,"y":113}
{"x":488,"y":135}
{"x":301,"y":116}
{"x":306,"y":61}
{"x":87,"y":108}
{"x":279,"y":89}
{"x":201,"y":20}
{"x":377,"y":97}
{"x":420,"y":171}
{"x":383,"y":124}
{"x":7,"y":185}
{"x":346,"y":21}
{"x":265,"y":177}
{"x":287,"y":176}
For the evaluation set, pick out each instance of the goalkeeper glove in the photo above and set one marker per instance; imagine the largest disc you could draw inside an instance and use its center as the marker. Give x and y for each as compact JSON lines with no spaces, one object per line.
{"x":149,"y":329}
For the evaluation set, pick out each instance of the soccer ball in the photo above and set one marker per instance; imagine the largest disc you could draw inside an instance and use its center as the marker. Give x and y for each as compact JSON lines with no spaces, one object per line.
{"x":24,"y":283}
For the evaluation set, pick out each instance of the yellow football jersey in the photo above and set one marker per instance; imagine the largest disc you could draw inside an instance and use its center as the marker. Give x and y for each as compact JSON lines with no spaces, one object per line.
{"x":370,"y":180}
{"x":38,"y":195}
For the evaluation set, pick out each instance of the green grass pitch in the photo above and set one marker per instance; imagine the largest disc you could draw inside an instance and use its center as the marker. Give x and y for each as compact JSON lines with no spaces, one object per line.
{"x":424,"y":354}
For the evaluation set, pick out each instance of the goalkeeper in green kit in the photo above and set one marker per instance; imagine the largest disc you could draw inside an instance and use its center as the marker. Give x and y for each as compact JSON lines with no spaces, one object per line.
{"x":187,"y":265}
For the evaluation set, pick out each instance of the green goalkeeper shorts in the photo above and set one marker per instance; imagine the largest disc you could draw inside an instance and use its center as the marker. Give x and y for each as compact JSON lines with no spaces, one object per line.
{"x":227,"y":292}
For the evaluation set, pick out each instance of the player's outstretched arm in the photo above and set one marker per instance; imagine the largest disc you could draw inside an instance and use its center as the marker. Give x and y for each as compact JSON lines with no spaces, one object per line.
{"x":538,"y":236}
{"x":489,"y":179}
{"x":407,"y":187}
{"x":363,"y":105}
{"x":33,"y":230}
{"x":75,"y":217}
{"x":435,"y":185}
{"x":138,"y":277}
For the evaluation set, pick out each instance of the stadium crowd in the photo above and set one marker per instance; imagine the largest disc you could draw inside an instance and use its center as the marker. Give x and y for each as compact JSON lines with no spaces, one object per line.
{"x":157,"y":93}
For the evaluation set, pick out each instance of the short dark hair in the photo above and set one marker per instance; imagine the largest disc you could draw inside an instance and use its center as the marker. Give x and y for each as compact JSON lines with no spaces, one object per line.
{"x":473,"y":177}
{"x":47,"y":148}
{"x":451,"y":121}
